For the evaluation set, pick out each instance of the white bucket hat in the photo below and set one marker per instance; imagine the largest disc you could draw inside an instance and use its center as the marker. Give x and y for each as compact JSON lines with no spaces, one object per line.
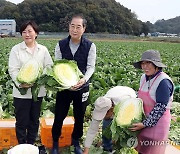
{"x":102,"y":105}
{"x":119,"y":93}
{"x":152,"y":56}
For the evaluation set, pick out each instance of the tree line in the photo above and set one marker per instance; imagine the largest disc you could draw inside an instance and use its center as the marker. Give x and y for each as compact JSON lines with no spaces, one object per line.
{"x":103,"y":16}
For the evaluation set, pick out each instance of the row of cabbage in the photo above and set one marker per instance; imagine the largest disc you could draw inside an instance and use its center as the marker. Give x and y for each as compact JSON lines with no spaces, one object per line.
{"x":113,"y":67}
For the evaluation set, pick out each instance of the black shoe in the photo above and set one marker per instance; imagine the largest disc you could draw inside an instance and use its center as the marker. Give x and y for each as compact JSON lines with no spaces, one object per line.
{"x":55,"y":149}
{"x":110,"y":151}
{"x":75,"y":142}
{"x":78,"y":150}
{"x":42,"y":150}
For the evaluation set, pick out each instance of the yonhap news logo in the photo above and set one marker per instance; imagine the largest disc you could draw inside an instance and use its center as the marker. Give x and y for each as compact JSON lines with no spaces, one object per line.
{"x":132,"y":142}
{"x":158,"y":143}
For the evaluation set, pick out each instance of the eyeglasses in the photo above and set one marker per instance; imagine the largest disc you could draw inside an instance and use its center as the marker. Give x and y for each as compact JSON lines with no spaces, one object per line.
{"x":79,"y":27}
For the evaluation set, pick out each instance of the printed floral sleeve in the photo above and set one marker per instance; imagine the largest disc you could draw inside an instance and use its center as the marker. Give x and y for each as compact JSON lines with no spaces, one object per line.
{"x":155,"y":115}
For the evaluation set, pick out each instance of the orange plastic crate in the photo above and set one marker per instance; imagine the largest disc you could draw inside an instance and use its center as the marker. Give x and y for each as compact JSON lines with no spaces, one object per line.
{"x":7,"y":133}
{"x":46,"y":136}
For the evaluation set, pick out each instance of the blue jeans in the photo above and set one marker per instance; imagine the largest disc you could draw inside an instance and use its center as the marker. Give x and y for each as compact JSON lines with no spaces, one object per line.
{"x":107,"y":143}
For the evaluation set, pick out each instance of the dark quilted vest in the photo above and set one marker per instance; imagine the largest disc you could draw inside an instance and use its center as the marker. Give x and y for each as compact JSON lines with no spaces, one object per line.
{"x":81,"y":54}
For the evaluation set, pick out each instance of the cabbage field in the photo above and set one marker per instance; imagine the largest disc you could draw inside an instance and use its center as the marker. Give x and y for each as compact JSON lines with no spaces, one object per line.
{"x":113,"y":67}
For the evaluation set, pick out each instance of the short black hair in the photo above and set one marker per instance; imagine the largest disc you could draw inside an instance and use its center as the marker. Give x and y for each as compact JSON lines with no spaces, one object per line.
{"x":79,"y":16}
{"x":29,"y":22}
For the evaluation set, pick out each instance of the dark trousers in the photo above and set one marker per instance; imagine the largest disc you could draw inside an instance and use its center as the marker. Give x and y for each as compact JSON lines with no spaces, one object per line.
{"x":107,"y":143}
{"x":27,"y":114}
{"x":63,"y":101}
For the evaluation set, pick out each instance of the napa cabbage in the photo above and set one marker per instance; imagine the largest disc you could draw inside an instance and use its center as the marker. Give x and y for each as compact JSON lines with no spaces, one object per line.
{"x":24,"y":149}
{"x":62,"y":75}
{"x":29,"y":72}
{"x":126,"y":112}
{"x":129,"y":111}
{"x":66,"y":73}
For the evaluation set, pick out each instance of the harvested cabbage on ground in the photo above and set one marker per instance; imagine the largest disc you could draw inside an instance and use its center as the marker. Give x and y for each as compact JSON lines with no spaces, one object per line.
{"x":62,"y":75}
{"x":24,"y":149}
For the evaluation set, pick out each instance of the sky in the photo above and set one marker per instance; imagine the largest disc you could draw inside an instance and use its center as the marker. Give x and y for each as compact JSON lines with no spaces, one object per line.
{"x":147,"y":10}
